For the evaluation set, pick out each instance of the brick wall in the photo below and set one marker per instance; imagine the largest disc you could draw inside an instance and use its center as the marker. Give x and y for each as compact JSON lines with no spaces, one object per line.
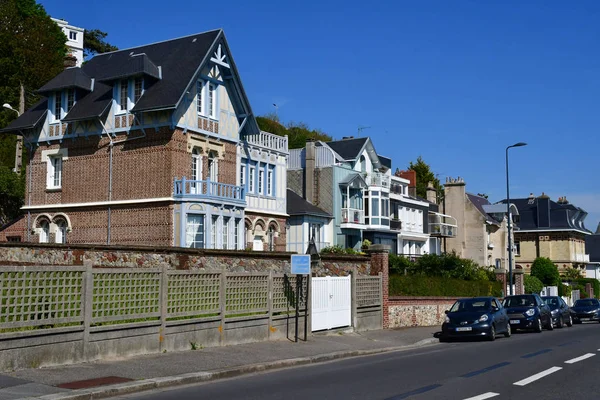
{"x":380,"y":265}
{"x":418,"y":311}
{"x":265,"y":221}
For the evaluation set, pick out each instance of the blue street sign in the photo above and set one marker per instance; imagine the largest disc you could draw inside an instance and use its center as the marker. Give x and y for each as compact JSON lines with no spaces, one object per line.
{"x":301,"y":264}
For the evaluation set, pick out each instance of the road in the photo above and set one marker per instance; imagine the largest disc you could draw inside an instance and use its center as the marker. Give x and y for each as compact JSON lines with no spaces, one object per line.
{"x":561,"y":364}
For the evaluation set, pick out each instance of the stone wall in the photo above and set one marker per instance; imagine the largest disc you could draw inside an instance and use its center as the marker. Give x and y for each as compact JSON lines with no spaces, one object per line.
{"x":172,"y":258}
{"x":409,"y":311}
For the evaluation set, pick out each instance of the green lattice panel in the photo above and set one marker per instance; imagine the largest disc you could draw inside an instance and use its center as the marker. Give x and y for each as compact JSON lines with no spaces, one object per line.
{"x":246,"y":294}
{"x":193,"y":294}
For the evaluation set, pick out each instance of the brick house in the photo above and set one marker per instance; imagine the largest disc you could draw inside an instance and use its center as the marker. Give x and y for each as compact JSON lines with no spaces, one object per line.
{"x":152,"y":145}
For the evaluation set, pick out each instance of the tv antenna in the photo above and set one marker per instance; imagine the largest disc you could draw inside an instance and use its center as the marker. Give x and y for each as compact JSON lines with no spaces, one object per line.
{"x":362,"y":128}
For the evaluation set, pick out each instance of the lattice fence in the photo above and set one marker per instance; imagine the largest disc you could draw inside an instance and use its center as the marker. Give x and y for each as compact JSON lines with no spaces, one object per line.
{"x":246,"y":293}
{"x":284,"y":293}
{"x":122,"y":296}
{"x":40,"y":296}
{"x":368,"y":291}
{"x":193,"y":294}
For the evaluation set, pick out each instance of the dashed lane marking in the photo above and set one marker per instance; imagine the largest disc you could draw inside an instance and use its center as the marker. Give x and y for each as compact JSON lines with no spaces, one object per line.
{"x":414,"y":392}
{"x":484,"y":370}
{"x":581,"y":358}
{"x":537,"y":376}
{"x":537,"y":353}
{"x":484,"y":396}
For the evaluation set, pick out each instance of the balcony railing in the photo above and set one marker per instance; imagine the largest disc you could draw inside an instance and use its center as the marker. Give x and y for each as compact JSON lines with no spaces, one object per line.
{"x":582,"y":257}
{"x":395,"y":225}
{"x":269,"y":141}
{"x":209,"y":190}
{"x":353,"y":216}
{"x":377,"y":179}
{"x":442,"y":225}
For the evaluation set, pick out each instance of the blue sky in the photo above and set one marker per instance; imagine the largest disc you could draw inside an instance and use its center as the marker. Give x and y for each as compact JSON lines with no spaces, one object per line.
{"x":455,"y":82}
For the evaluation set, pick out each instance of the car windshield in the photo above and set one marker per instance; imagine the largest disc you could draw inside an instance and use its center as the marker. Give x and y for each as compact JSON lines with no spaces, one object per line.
{"x":471,"y":305}
{"x":551,"y":301}
{"x":519,"y":301}
{"x":586,"y":303}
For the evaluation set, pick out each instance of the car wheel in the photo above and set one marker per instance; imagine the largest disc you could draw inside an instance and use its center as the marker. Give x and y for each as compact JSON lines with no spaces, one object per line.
{"x":538,"y":325}
{"x":492,"y":334}
{"x":508,"y":331}
{"x":560,"y":323}
{"x":570,"y":321}
{"x":550,"y":325}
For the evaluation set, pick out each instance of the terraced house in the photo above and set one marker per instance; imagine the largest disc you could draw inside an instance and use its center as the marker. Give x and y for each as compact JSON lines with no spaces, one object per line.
{"x":153,"y":145}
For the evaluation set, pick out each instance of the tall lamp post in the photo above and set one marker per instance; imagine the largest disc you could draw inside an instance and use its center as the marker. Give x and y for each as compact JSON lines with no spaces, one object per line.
{"x":19,"y":142}
{"x":510,"y":249}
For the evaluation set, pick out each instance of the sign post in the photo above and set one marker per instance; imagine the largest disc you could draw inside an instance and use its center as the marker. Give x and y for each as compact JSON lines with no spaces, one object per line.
{"x":300,"y":267}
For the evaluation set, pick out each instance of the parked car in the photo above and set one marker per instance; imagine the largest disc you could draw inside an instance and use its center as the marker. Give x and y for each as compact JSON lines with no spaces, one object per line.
{"x":585,"y":310}
{"x":561,"y":314}
{"x":528,"y":311}
{"x":475,"y":317}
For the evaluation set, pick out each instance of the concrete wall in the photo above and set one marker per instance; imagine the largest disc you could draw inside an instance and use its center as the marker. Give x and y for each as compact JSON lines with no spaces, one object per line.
{"x":418,"y":311}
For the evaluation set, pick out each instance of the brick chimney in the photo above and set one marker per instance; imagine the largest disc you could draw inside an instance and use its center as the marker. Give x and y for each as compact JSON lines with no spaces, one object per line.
{"x":431,"y":193}
{"x":70,"y":61}
{"x":411,"y":176}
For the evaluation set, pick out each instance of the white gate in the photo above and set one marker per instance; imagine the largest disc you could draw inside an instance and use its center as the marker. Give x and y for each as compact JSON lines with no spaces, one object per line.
{"x":331,"y":302}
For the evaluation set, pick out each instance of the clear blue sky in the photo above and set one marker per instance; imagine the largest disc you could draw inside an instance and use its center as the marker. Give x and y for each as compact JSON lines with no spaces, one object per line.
{"x":453,"y":81}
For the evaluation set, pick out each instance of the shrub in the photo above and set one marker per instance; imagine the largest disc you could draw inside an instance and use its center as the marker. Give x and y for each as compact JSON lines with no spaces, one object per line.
{"x":399,"y":264}
{"x":340,"y":250}
{"x":419,"y":285}
{"x":595,"y":284}
{"x":564,"y":290}
{"x":532,"y":284}
{"x":546,"y":271}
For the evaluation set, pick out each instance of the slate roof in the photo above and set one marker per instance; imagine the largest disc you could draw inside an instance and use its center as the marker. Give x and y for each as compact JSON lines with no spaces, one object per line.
{"x":179,"y":61}
{"x":543,"y":214}
{"x":69,"y":78}
{"x":296,"y":205}
{"x":479,"y":202}
{"x":348,"y":149}
{"x":385,"y":161}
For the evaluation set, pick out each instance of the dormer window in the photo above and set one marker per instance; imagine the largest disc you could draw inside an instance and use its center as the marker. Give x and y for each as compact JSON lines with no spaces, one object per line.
{"x":57,"y":106}
{"x":70,"y":99}
{"x":123,"y":95}
{"x":138,"y":89}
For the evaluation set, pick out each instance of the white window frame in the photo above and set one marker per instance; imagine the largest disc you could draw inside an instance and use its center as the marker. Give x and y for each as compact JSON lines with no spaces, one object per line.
{"x":213,"y":168}
{"x":56,"y":118}
{"x":44,"y":231}
{"x":68,"y":96}
{"x":214,"y":225}
{"x":251,"y":179}
{"x":225,"y":233}
{"x":72,"y":35}
{"x":261,"y":178}
{"x":61,"y":232}
{"x":120,"y":109}
{"x":236,"y":232}
{"x":200,"y":97}
{"x":192,"y":231}
{"x":243,"y":175}
{"x":212,"y":100}
{"x":137,"y":80}
{"x":54,"y":158}
{"x":269,"y":182}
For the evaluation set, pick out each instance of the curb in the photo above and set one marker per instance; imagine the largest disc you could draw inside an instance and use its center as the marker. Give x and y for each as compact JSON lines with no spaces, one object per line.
{"x":199,"y":377}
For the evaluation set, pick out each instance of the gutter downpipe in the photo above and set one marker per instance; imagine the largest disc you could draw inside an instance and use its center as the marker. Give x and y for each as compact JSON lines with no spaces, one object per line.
{"x":110,"y":169}
{"x":30,"y":147}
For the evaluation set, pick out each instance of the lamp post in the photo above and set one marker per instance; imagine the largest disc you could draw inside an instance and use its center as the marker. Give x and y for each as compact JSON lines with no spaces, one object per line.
{"x":508,"y":218}
{"x":19,"y":145}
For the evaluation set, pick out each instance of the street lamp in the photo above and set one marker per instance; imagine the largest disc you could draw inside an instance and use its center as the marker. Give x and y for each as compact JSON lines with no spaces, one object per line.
{"x":510,"y":250}
{"x":9,"y":107}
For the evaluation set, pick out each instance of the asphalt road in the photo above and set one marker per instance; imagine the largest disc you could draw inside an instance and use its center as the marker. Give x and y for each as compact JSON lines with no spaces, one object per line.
{"x":559,"y":364}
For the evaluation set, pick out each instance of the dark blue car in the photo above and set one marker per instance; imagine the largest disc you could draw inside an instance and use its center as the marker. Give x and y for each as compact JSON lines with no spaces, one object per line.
{"x":585,"y":310}
{"x":528,"y":311}
{"x":476,"y":317}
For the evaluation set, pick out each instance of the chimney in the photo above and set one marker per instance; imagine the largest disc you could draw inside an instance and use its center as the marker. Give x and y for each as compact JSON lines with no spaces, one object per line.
{"x":431,"y":193}
{"x":309,"y":172}
{"x":411,"y":176}
{"x":70,"y":61}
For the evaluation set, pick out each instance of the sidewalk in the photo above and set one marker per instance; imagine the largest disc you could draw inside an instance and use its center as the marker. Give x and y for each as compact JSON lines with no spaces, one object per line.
{"x":115,"y":377}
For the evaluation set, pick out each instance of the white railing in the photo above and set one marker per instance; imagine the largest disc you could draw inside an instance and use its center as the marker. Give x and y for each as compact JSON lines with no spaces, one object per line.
{"x":269,"y":141}
{"x":296,"y":159}
{"x":442,"y":225}
{"x":582,"y":257}
{"x":353,"y":216}
{"x":377,"y":179}
{"x":323,"y":158}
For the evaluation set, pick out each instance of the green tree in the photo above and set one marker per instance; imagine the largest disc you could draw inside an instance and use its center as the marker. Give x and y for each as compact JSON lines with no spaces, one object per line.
{"x":298,"y":132}
{"x":546,"y":271}
{"x":532,"y":284}
{"x":424,"y":176}
{"x":94,"y":42}
{"x":572,"y":274}
{"x":12,"y":192}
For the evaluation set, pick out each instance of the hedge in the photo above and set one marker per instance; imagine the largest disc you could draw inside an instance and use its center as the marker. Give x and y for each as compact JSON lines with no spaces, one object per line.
{"x":595,"y":284}
{"x":419,"y":285}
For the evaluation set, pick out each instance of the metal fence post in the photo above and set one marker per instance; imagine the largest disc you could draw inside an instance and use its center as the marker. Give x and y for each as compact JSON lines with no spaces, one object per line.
{"x":353,"y":305}
{"x":381,"y":288}
{"x":87,"y":299}
{"x":223,"y":306}
{"x":164,"y":306}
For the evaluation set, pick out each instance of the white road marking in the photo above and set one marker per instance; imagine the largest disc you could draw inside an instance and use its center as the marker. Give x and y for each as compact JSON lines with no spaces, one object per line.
{"x":484,"y":396}
{"x":583,"y":357}
{"x":535,"y":377}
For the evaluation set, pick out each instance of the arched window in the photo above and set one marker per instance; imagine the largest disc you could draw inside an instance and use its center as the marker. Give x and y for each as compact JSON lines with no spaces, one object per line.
{"x":44,"y":225}
{"x":271,"y":234}
{"x":61,"y":231}
{"x":213,"y":166}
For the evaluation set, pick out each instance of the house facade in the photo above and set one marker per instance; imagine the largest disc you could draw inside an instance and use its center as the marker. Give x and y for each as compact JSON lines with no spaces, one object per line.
{"x":482,"y":227}
{"x":307,"y":223}
{"x":74,"y":39}
{"x":555,"y":230}
{"x":146,"y":146}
